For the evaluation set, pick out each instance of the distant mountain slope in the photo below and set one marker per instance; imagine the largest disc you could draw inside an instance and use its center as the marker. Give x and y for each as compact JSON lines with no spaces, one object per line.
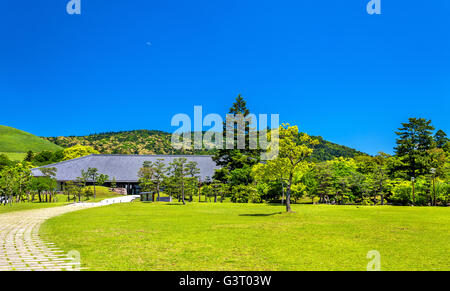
{"x":327,"y":150}
{"x":13,"y":142}
{"x":158,"y":142}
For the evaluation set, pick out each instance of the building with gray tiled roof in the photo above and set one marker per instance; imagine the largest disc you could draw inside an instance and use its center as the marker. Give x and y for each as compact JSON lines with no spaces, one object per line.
{"x":124,"y":168}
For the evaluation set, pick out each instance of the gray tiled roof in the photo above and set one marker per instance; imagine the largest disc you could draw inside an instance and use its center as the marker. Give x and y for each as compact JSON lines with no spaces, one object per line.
{"x":122,"y":167}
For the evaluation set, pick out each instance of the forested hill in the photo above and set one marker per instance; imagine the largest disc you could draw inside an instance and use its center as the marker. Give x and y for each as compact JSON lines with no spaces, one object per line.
{"x":158,"y":142}
{"x":326,"y":150}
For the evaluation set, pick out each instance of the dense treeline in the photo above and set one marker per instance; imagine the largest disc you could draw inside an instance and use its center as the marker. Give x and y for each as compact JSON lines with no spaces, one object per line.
{"x":418,"y":173}
{"x":141,"y":142}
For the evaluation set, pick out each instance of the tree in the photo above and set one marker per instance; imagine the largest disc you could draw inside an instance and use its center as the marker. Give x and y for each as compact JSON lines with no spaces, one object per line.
{"x":440,"y":138}
{"x":324,"y":180}
{"x":159,"y":174}
{"x":114,"y":183}
{"x":77,"y":152}
{"x":29,"y":157}
{"x":4,"y":161}
{"x":7,"y":182}
{"x":380,"y":174}
{"x":179,"y":171}
{"x":47,"y":157}
{"x":23,"y":180}
{"x":102,"y":178}
{"x":293,"y":154}
{"x":234,"y":159}
{"x":92,"y":175}
{"x":49,"y":181}
{"x":192,"y":171}
{"x":146,"y":174}
{"x":414,"y":141}
{"x":71,"y":189}
{"x":274,"y":172}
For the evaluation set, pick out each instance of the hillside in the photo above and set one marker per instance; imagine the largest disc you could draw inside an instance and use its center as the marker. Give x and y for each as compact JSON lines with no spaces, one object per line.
{"x":158,"y":142}
{"x":15,"y":143}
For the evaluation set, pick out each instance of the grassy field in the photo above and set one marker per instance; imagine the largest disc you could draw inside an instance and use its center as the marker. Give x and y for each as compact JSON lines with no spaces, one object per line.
{"x":101,"y":194}
{"x":14,"y":156}
{"x":15,"y":143}
{"x":207,"y":236}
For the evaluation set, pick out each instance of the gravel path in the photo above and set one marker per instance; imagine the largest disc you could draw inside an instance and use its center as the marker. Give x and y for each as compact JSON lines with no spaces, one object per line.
{"x":22,"y":249}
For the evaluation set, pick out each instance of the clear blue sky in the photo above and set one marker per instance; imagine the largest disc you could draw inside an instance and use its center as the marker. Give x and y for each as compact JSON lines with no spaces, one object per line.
{"x":326,"y":66}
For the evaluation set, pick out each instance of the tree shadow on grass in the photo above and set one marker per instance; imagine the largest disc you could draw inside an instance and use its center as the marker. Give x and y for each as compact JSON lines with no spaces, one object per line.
{"x":261,"y":214}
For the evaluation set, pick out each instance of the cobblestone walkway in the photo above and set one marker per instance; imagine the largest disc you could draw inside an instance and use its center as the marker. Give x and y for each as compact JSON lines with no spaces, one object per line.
{"x":22,"y":249}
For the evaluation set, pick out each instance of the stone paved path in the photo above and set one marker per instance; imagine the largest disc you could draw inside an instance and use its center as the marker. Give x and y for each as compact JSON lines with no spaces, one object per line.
{"x":22,"y":249}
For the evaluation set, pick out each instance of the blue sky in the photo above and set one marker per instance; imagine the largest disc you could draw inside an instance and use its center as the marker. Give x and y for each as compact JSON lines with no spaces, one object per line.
{"x":326,"y":66}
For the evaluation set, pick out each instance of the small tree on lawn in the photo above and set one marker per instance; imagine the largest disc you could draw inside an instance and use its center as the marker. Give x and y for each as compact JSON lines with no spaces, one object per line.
{"x":71,"y":190}
{"x":159,"y":174}
{"x":50,"y":175}
{"x":179,"y":172}
{"x":294,"y":151}
{"x":145,"y":175}
{"x":95,"y":177}
{"x":193,"y":172}
{"x":102,"y":179}
{"x":114,"y":183}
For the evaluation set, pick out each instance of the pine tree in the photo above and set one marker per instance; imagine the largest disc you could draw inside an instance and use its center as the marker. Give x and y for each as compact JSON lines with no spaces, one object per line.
{"x":415,"y":139}
{"x":233,"y":159}
{"x":440,"y":138}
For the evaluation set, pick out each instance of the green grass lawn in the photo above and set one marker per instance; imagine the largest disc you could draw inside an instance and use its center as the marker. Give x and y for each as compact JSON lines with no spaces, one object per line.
{"x":102,"y":193}
{"x":207,"y":236}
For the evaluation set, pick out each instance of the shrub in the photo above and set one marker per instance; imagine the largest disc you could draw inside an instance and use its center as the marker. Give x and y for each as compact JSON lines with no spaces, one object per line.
{"x":245,"y":194}
{"x":402,"y":193}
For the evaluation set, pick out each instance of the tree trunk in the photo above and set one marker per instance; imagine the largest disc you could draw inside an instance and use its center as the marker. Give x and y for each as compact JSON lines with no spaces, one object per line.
{"x":434,"y":192}
{"x":94,"y":192}
{"x":288,"y":194}
{"x":182,"y":191}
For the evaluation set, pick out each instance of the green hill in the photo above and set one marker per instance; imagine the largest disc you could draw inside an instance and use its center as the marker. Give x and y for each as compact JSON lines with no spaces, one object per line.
{"x":15,"y":143}
{"x":158,"y":142}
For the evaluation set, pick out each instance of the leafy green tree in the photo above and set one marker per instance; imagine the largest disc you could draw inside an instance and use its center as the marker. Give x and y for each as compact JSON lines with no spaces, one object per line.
{"x":324,"y":181}
{"x":8,"y":183}
{"x":113,"y":183}
{"x":380,"y":175}
{"x":294,"y":152}
{"x":71,"y":190}
{"x":29,"y":157}
{"x":78,"y":151}
{"x":5,"y":162}
{"x":50,"y":182}
{"x":47,"y":157}
{"x":102,"y":179}
{"x":92,"y":175}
